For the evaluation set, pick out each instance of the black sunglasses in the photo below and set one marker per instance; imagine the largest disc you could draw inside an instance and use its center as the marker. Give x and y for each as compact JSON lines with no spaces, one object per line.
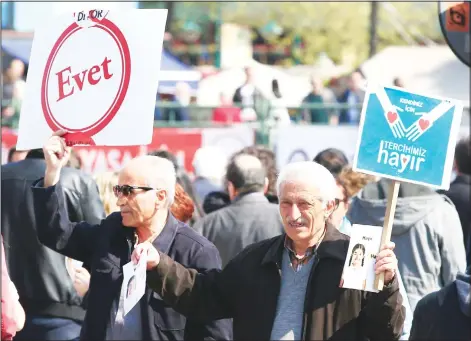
{"x":127,"y":190}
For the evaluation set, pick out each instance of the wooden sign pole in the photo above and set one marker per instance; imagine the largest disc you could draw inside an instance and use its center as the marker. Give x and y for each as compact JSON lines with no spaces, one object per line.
{"x":387,"y":226}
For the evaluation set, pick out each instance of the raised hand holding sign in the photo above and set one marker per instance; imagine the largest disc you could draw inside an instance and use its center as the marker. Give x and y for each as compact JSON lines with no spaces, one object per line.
{"x":398,"y":143}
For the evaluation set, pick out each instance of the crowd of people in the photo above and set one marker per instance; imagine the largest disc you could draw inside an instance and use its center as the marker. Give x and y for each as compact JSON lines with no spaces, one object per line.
{"x":241,"y":250}
{"x":246,"y":104}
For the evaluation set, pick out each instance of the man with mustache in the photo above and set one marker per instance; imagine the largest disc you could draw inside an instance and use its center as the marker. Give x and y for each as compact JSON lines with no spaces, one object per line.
{"x":287,"y":287}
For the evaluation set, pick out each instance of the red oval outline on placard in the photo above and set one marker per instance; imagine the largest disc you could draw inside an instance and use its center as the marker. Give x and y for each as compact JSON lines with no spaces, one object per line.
{"x":99,"y":125}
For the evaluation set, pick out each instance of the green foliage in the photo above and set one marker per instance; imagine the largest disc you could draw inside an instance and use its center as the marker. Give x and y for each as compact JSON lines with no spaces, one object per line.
{"x":336,"y":28}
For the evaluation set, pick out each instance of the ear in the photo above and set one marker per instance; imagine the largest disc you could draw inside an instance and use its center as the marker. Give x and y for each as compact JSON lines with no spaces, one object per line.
{"x":329,"y":207}
{"x":231,"y":190}
{"x":265,"y":187}
{"x":161,"y":197}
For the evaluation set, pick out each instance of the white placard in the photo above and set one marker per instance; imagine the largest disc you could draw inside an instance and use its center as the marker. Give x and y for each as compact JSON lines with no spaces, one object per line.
{"x":134,"y":283}
{"x":93,"y":75}
{"x":358,"y":272}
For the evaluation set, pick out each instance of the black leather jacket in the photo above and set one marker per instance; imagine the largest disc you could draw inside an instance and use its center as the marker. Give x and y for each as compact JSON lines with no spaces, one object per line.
{"x":40,"y":275}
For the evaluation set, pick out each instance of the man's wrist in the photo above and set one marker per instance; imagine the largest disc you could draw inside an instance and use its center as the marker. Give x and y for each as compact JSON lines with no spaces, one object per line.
{"x":51,"y":177}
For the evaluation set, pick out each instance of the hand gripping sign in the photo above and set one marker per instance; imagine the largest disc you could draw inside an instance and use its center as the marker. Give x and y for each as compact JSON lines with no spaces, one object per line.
{"x":91,"y":75}
{"x":406,"y":137}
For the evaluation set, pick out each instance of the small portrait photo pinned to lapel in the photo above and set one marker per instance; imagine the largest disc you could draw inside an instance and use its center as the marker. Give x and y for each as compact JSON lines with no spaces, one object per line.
{"x":358,"y":272}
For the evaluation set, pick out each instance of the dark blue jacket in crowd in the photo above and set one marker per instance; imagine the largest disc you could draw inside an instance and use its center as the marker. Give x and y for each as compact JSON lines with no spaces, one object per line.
{"x":107,"y":247}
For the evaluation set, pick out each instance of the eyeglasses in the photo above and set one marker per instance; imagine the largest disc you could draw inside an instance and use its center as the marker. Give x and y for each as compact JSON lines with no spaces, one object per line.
{"x":127,"y":190}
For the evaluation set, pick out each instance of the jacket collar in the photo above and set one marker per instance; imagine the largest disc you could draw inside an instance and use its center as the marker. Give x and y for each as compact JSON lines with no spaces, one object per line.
{"x":165,"y":239}
{"x":332,"y":246}
{"x":462,"y":179}
{"x":251,"y":198}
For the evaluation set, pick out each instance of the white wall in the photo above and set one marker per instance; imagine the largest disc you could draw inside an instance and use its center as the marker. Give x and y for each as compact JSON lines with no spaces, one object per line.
{"x":27,"y":15}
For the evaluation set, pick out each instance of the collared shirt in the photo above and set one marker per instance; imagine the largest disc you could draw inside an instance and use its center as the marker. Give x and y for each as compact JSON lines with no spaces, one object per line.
{"x":297,"y":262}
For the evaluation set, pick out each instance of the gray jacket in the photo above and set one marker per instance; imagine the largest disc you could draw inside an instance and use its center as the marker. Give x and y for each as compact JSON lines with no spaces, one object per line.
{"x":426,"y":230}
{"x":248,"y":219}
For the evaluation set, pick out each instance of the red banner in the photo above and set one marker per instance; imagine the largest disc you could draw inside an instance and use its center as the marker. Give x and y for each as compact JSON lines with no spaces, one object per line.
{"x":181,"y":142}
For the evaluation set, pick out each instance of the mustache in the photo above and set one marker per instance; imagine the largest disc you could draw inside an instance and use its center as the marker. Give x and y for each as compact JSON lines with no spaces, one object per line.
{"x":300,"y":220}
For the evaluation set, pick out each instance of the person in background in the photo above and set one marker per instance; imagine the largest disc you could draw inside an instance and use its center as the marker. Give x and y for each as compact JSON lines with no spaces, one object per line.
{"x":16,"y":155}
{"x":145,"y":192}
{"x":13,"y":87}
{"x":54,"y":310}
{"x":226,"y":113}
{"x":183,"y":207}
{"x":13,"y":314}
{"x":249,"y":218}
{"x":445,"y":314}
{"x":248,"y":97}
{"x":279,"y":114}
{"x":209,"y":164}
{"x":426,"y":230}
{"x":287,"y":287}
{"x":349,"y":183}
{"x":268,"y":160}
{"x":182,"y":99}
{"x":333,"y":159}
{"x":105,"y":182}
{"x":215,"y":201}
{"x":460,"y":190}
{"x":353,"y":97}
{"x":74,"y":161}
{"x":321,"y":96}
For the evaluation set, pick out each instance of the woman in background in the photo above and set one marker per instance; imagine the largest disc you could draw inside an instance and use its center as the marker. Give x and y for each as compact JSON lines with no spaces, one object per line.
{"x":349,"y":183}
{"x":182,"y":207}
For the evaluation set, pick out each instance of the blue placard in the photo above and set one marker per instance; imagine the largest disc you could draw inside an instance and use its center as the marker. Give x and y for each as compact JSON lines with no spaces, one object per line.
{"x":407,"y":136}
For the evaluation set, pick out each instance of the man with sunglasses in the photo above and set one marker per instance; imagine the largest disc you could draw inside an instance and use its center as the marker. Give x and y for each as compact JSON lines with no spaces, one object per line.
{"x":145,"y":192}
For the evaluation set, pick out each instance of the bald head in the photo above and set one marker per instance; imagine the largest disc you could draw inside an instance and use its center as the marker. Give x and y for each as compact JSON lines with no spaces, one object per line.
{"x":246,"y":173}
{"x":151,"y":171}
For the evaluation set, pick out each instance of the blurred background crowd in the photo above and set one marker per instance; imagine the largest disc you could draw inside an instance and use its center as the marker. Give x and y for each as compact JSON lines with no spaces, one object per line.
{"x":281,"y":82}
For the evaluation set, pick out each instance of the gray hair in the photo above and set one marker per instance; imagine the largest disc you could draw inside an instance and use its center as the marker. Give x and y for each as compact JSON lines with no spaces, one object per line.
{"x":309,"y":173}
{"x":164,"y":177}
{"x":160,"y":173}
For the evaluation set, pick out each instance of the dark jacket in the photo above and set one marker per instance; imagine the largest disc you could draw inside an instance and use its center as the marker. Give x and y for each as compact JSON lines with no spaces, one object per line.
{"x":107,"y":247}
{"x":249,"y":219}
{"x":248,"y":287}
{"x":444,"y":314}
{"x":460,"y":194}
{"x":40,"y":275}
